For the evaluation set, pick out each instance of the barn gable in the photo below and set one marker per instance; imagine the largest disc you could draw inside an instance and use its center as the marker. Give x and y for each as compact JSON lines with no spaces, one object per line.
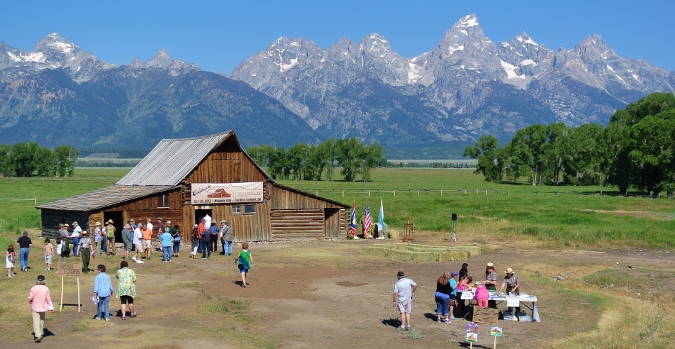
{"x":160,"y":186}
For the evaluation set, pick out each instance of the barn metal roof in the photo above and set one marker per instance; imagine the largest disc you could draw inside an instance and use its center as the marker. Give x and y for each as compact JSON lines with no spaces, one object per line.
{"x":172,"y":160}
{"x":105,"y":197}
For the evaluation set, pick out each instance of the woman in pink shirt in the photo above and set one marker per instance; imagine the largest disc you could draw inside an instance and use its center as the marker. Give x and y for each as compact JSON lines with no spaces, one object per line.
{"x":40,"y":303}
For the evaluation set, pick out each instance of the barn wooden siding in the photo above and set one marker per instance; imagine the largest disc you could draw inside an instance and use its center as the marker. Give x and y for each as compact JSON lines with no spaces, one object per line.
{"x":142,"y":209}
{"x":52,"y":218}
{"x":226,"y":164}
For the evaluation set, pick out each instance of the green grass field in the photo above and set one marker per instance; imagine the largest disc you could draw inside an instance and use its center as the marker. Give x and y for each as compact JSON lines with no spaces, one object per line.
{"x":574,"y":217}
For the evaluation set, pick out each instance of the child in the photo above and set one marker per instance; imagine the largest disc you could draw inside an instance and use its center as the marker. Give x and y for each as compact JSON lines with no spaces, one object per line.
{"x":59,"y":248}
{"x":482,"y":295}
{"x":10,"y":258}
{"x":49,"y":253}
{"x":244,"y":261}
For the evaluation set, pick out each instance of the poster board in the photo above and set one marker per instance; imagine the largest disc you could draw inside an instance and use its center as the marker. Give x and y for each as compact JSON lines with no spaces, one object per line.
{"x":496,"y":331}
{"x":68,"y":270}
{"x":65,"y":269}
{"x":513,"y":301}
{"x":485,"y":315}
{"x":467,"y":295}
{"x":219,"y":193}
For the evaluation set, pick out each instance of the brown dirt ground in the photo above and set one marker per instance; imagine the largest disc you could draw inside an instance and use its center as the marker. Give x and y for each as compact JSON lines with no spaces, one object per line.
{"x":309,"y":294}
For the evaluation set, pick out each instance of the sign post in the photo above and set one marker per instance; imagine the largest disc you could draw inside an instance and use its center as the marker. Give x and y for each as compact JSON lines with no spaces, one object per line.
{"x":496,"y":331}
{"x":471,"y":333}
{"x":68,"y":270}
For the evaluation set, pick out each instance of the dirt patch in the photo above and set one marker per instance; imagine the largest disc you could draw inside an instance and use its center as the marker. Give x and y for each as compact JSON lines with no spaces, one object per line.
{"x":637,"y":214}
{"x":329,"y":294}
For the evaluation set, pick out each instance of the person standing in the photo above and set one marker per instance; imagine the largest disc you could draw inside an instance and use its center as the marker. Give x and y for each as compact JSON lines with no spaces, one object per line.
{"x":205,"y":243}
{"x":126,"y":290}
{"x":85,"y":247}
{"x":24,"y":243}
{"x":138,"y":245}
{"x":167,"y":241}
{"x":126,"y":240}
{"x":75,"y":236}
{"x":149,"y":225}
{"x":226,"y":237}
{"x":194,"y":239}
{"x":453,"y":294}
{"x":147,"y":240}
{"x":214,"y":231}
{"x":97,"y":237}
{"x":59,"y":248}
{"x":511,"y":284}
{"x":160,"y":231}
{"x":10,"y":258}
{"x":49,"y":254}
{"x":244,"y":261}
{"x":491,"y":282}
{"x":404,"y":291}
{"x":442,"y":297}
{"x":103,"y":289}
{"x":110,"y":236}
{"x":40,"y":303}
{"x":64,"y":234}
{"x":176,"y":240}
{"x":207,"y":221}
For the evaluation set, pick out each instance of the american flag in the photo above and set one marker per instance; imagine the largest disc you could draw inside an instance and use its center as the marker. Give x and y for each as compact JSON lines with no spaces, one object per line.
{"x":352,"y":225}
{"x":367,"y":220}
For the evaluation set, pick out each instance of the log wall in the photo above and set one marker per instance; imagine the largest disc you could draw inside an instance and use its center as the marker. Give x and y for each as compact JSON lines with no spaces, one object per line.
{"x":51,"y":220}
{"x":297,"y":224}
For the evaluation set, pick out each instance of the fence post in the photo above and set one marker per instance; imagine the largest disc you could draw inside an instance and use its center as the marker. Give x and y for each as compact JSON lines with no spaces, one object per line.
{"x":368,"y":193}
{"x":394,"y":192}
{"x":317,"y":193}
{"x":343,"y":193}
{"x":476,"y":191}
{"x":35,"y":201}
{"x":441,"y":191}
{"x":465,"y":191}
{"x":418,"y":192}
{"x":485,"y":191}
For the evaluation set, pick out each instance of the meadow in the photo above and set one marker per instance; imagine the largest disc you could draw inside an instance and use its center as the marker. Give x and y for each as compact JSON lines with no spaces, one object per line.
{"x":571,"y":245}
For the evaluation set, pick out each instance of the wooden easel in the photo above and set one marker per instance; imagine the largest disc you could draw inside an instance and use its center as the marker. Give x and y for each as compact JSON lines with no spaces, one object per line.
{"x":67,"y":270}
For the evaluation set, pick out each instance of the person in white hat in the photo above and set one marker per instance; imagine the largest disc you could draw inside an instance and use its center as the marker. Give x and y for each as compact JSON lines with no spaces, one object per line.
{"x":511,"y":284}
{"x":97,"y":237}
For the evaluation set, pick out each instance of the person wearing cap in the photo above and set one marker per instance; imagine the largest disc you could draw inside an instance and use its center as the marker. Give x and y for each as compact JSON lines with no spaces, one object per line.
{"x":226,"y":237}
{"x":138,"y":244}
{"x":404,"y":291}
{"x":40,"y":303}
{"x":453,"y":293}
{"x":85,"y":247}
{"x":195,"y":241}
{"x":97,"y":238}
{"x":24,"y":243}
{"x":511,"y":284}
{"x":126,"y":240}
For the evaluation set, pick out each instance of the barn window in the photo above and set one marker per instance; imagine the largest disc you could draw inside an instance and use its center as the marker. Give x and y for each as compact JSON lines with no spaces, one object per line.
{"x":236,"y":209}
{"x":163,"y":201}
{"x":249,"y":209}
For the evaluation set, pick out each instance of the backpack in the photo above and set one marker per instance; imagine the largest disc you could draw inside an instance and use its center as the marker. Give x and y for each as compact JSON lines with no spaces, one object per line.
{"x":110,"y":231}
{"x":195,"y":235}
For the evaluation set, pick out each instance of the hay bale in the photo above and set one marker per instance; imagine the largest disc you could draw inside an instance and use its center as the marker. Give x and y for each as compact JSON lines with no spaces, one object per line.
{"x":422,"y":253}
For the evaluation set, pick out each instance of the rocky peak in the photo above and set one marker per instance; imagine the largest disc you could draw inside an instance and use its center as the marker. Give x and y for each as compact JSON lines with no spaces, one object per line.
{"x":136,"y":63}
{"x":161,"y":60}
{"x":54,"y":44}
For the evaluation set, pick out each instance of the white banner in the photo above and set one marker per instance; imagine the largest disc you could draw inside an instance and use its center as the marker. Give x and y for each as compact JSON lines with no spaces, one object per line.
{"x":224,"y":193}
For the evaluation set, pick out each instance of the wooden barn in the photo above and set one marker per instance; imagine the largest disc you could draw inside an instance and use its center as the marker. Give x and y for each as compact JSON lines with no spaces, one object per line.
{"x":182,"y":180}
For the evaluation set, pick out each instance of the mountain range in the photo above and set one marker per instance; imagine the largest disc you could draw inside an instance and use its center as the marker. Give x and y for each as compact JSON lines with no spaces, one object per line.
{"x":294,"y":91}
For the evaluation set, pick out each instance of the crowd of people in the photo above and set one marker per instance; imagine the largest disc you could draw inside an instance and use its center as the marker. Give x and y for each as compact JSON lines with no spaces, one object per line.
{"x":449,"y":289}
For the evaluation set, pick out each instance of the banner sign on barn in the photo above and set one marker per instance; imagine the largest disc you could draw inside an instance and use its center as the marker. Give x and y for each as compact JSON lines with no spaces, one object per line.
{"x":224,"y":193}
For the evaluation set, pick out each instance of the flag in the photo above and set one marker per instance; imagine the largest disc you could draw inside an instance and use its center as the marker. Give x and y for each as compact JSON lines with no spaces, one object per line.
{"x":380,"y":219}
{"x":367,"y":220}
{"x":352,"y":225}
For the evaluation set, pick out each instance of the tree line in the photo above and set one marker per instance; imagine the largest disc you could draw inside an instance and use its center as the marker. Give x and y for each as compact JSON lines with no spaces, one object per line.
{"x":310,"y":162}
{"x":30,"y":159}
{"x":635,"y":150}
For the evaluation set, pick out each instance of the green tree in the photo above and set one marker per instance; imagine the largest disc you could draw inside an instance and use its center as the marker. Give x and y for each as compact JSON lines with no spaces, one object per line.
{"x":372,"y":156}
{"x":348,"y":153}
{"x":489,"y":164}
{"x":64,"y":159}
{"x":528,"y":146}
{"x":5,"y":168}
{"x":582,"y":158}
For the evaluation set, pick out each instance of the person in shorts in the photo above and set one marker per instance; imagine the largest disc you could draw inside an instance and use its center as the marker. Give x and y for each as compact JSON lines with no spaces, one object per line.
{"x":127,"y":289}
{"x":404,"y":291}
{"x":49,"y":253}
{"x":137,"y":240}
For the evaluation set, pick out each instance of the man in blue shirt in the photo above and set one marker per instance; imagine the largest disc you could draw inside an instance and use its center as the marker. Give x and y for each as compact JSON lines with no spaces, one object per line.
{"x":103,"y":289}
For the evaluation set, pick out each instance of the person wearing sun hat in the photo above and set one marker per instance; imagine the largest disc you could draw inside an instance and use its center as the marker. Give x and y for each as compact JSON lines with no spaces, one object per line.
{"x":511,"y":284}
{"x":96,"y":235}
{"x":85,"y":247}
{"x":109,"y":231}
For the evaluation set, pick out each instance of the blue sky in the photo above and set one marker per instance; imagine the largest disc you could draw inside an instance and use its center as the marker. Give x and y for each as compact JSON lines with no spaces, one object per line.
{"x":218,"y":35}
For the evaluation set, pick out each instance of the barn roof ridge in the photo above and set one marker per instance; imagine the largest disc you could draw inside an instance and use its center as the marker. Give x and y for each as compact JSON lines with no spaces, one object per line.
{"x":173,"y":159}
